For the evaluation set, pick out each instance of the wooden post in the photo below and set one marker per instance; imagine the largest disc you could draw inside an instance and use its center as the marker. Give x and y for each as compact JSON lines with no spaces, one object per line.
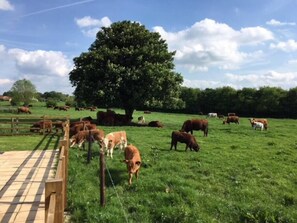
{"x":89,"y":147}
{"x":17,"y":125}
{"x":12,"y":125}
{"x":54,"y":186}
{"x":43,"y":127}
{"x":102,"y":178}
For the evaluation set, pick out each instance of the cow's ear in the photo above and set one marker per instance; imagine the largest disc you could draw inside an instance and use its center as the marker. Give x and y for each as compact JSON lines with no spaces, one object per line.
{"x":138,"y":163}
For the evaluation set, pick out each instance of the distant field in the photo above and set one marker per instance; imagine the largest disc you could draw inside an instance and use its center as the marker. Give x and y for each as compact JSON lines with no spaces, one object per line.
{"x":239,"y":175}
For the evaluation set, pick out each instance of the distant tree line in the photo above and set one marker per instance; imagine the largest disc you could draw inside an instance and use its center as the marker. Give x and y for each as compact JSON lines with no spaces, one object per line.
{"x":265,"y":101}
{"x":262,"y":102}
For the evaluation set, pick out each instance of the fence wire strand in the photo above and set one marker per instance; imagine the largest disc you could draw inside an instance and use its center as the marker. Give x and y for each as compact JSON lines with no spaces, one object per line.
{"x":113,"y":185}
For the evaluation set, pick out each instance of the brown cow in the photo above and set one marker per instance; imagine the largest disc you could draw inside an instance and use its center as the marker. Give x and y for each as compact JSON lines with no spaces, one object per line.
{"x":133,"y":161}
{"x":183,"y":137}
{"x":234,"y":119}
{"x":79,"y":127}
{"x":38,"y":126}
{"x":105,"y":118}
{"x":195,"y":124}
{"x":157,"y":124}
{"x":24,"y":109}
{"x":115,"y":139}
{"x":80,"y":137}
{"x":263,"y":120}
{"x":79,"y":122}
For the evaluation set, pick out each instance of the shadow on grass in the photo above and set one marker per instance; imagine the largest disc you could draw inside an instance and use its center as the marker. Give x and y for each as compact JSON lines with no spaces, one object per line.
{"x":48,"y":138}
{"x":115,"y":177}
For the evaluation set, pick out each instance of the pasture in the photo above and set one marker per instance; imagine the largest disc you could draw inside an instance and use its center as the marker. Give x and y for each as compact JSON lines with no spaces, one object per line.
{"x":239,"y":174}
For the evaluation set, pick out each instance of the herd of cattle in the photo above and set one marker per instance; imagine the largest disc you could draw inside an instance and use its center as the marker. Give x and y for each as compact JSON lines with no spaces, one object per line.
{"x":86,"y":130}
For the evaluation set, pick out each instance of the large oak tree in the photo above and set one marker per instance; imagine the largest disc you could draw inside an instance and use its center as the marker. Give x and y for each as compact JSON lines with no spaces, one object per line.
{"x":127,"y":65}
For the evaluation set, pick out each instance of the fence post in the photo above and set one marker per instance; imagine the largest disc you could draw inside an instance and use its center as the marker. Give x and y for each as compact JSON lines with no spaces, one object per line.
{"x":43,"y":127}
{"x":102,"y":178}
{"x":54,"y":186}
{"x":12,"y":125}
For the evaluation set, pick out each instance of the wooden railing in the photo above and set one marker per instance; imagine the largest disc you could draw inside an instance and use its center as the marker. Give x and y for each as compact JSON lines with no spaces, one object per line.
{"x":56,"y":188}
{"x":23,"y":125}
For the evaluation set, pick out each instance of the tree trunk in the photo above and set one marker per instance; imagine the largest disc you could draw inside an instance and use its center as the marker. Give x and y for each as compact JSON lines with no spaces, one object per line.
{"x":129,"y":112}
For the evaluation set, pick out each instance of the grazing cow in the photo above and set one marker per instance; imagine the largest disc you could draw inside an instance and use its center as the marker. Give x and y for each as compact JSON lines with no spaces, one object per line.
{"x":80,"y":137}
{"x":38,"y":126}
{"x":230,"y":119}
{"x":212,"y":115}
{"x":183,"y":137}
{"x":5,"y":98}
{"x":147,"y":112}
{"x":264,"y":121}
{"x":79,"y":109}
{"x":141,"y":120}
{"x":79,"y":127}
{"x":59,"y":125}
{"x":133,"y":161}
{"x":79,"y":122}
{"x":88,"y":118}
{"x":24,"y":109}
{"x":195,"y":124}
{"x":258,"y":125}
{"x":115,"y":139}
{"x":231,"y":114}
{"x":157,"y":124}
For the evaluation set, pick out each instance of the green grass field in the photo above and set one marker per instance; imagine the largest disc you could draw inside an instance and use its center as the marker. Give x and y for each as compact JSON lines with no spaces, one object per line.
{"x":239,"y":175}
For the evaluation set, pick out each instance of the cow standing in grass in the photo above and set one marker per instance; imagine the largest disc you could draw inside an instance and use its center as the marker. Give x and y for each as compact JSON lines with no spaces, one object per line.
{"x":183,"y":137}
{"x":195,"y":124}
{"x":133,"y":161}
{"x":24,"y":109}
{"x":230,"y":119}
{"x":115,"y":139}
{"x":80,"y":137}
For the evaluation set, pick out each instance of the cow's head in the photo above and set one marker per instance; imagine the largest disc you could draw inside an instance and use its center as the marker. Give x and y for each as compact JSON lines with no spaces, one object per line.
{"x":132,"y":166}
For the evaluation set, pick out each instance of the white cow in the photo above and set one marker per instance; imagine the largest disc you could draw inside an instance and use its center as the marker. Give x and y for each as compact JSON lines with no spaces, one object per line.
{"x":141,"y":120}
{"x":115,"y":139}
{"x":258,"y":125}
{"x":215,"y":115}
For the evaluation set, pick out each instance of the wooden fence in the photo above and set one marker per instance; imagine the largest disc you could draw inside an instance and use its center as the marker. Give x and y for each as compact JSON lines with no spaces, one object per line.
{"x":56,"y":189}
{"x":23,"y":125}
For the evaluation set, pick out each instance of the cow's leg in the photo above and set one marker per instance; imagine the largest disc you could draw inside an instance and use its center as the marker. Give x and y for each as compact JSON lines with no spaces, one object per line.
{"x":186,"y":147}
{"x":111,"y":152}
{"x":136,"y":174}
{"x":130,"y":178}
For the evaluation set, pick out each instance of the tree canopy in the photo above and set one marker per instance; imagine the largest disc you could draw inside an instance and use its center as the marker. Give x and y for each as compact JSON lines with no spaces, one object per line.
{"x":23,"y":91}
{"x":126,"y":65}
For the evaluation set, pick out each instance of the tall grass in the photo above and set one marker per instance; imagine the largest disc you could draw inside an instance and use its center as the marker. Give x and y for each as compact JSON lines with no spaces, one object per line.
{"x":239,"y":175}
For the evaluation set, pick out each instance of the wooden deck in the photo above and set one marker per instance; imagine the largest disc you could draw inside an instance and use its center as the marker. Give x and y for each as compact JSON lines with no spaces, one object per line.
{"x":22,"y":183}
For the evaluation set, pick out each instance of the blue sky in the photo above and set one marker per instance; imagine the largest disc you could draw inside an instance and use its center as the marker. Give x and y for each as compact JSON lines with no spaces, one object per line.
{"x":218,"y":43}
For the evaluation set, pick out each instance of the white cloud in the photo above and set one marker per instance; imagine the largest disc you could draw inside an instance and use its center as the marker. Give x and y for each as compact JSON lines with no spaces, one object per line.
{"x":289,"y":46}
{"x":91,"y":26}
{"x":41,"y":62}
{"x":292,"y":61}
{"x":274,"y":22}
{"x":284,"y":80}
{"x":202,"y":84}
{"x":6,"y":5}
{"x":209,"y":44}
{"x":5,"y":81}
{"x":47,"y":70}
